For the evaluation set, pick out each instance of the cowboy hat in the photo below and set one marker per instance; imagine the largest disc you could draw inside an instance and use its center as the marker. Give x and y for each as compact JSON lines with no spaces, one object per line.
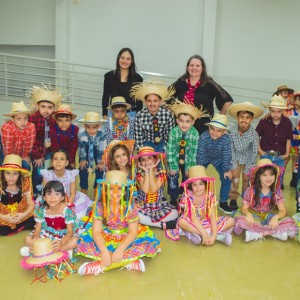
{"x":118,"y":101}
{"x":148,"y":151}
{"x":13,"y":162}
{"x":64,"y":109}
{"x":245,"y":106}
{"x":197,"y":173}
{"x":219,"y":121}
{"x":18,"y":108}
{"x":276,"y":102}
{"x":282,"y":88}
{"x":91,"y":118}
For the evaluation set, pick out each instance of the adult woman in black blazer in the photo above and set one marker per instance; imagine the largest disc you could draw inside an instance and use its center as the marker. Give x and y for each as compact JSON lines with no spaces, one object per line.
{"x":119,"y":82}
{"x":198,"y":88}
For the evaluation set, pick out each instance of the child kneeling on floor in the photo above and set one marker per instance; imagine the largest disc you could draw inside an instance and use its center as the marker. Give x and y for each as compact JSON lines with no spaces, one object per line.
{"x":199,"y":220}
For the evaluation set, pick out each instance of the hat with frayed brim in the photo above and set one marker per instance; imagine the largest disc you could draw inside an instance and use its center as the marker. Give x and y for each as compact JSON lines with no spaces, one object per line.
{"x":219,"y":121}
{"x":43,"y":255}
{"x":197,"y":173}
{"x":282,"y":88}
{"x":142,"y":90}
{"x":276,"y":102}
{"x":118,"y":101}
{"x":245,"y":106}
{"x":148,"y":151}
{"x":116,"y":177}
{"x":91,"y":118}
{"x":13,"y":162}
{"x":18,"y":108}
{"x":64,"y":109}
{"x":178,"y":107}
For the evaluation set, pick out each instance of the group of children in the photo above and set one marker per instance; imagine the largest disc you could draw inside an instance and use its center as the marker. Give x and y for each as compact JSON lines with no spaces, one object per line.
{"x":129,"y":189}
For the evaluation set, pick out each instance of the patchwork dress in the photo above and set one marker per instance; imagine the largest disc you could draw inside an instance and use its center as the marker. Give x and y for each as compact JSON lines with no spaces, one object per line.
{"x":114,"y":233}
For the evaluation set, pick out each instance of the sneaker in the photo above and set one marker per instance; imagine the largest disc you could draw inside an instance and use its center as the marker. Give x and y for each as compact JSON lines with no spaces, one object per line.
{"x":90,"y":268}
{"x":226,"y":209}
{"x":253,"y":236}
{"x":280,"y":235}
{"x":225,"y":238}
{"x":24,"y":251}
{"x":193,"y":237}
{"x":233,"y":205}
{"x":137,"y":265}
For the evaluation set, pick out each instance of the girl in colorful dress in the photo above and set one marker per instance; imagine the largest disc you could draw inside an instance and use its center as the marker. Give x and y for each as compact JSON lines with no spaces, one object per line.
{"x":54,"y":220}
{"x":116,"y":239}
{"x":153,"y":211}
{"x":59,"y":172}
{"x":263,"y":211}
{"x":199,"y":220}
{"x":16,"y":203}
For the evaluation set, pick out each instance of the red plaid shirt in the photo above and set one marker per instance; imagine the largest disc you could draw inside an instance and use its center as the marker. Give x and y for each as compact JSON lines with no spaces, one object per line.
{"x":16,"y":141}
{"x":39,"y":150}
{"x":67,"y":140}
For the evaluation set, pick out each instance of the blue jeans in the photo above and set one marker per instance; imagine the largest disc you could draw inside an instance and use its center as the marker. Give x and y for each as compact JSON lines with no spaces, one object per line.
{"x":84,"y":178}
{"x":37,"y":178}
{"x":225,"y":184}
{"x":173,"y":183}
{"x":157,"y":147}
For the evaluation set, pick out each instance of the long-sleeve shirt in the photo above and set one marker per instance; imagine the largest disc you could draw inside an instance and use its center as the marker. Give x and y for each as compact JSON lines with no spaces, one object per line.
{"x":215,"y":152}
{"x":67,"y":140}
{"x":244,"y":148}
{"x":173,"y":148}
{"x":17,"y":141}
{"x":144,"y":129}
{"x":39,"y":150}
{"x":99,"y":145}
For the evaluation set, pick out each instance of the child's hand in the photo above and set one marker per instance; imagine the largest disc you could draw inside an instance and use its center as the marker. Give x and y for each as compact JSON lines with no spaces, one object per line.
{"x":9,"y":218}
{"x":228,"y":175}
{"x":117,"y":255}
{"x":249,"y":220}
{"x":143,"y":168}
{"x":273,"y":224}
{"x":83,"y":165}
{"x":155,"y":165}
{"x":106,"y":259}
{"x":234,"y":173}
{"x":172,"y":172}
{"x":100,"y":166}
{"x":206,"y":238}
{"x":56,"y":245}
{"x":19,"y":217}
{"x":212,"y":240}
{"x":38,"y":163}
{"x":73,"y":166}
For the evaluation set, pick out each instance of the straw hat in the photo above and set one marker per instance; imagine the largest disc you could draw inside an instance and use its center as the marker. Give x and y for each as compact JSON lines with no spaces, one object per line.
{"x":91,"y":118}
{"x":179,"y":107}
{"x":276,"y":102}
{"x":295,"y":95}
{"x":244,"y":106}
{"x":219,"y":121}
{"x":116,"y":177}
{"x":43,"y":255}
{"x":143,"y":89}
{"x":282,"y":88}
{"x":18,"y":108}
{"x":13,"y":162}
{"x":45,"y":93}
{"x":64,"y":109}
{"x":196,"y":173}
{"x":148,"y":151}
{"x":118,"y":101}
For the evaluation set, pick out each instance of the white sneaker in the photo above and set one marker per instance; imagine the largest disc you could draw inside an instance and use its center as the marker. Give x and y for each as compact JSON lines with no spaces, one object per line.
{"x":280,"y":235}
{"x":224,"y":238}
{"x":137,"y":265}
{"x":253,"y":236}
{"x":24,"y":251}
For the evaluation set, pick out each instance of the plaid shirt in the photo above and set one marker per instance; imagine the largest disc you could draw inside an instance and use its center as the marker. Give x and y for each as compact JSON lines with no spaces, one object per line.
{"x":143,"y":126}
{"x":173,"y":148}
{"x":215,"y":152}
{"x":244,"y":148}
{"x":16,"y":141}
{"x":99,"y":144}
{"x":111,"y":134}
{"x":67,"y":140}
{"x":39,"y":150}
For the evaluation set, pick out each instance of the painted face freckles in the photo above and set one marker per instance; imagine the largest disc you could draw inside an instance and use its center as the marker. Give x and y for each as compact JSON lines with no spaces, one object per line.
{"x":20,"y":120}
{"x":45,"y":109}
{"x":244,"y":121}
{"x":64,"y":123}
{"x":195,"y":67}
{"x":276,"y":113}
{"x":119,"y":113}
{"x":11,"y":177}
{"x":53,"y":198}
{"x":153,"y":103}
{"x":59,"y":161}
{"x":185,"y":122}
{"x":215,"y":132}
{"x":91,"y":129}
{"x":267,"y":178}
{"x":120,"y":157}
{"x":198,"y":188}
{"x":125,"y":60}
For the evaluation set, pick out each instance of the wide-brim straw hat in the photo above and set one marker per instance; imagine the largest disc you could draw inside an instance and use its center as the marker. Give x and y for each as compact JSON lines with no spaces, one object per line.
{"x":233,"y":109}
{"x":45,"y":93}
{"x":64,"y":109}
{"x":148,"y":151}
{"x":18,"y":108}
{"x":178,"y":107}
{"x":91,"y":118}
{"x":282,"y":88}
{"x":13,"y":162}
{"x":143,"y":89}
{"x":219,"y":121}
{"x":43,"y":255}
{"x":116,"y":177}
{"x":118,"y":101}
{"x":197,"y":173}
{"x":276,"y":102}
